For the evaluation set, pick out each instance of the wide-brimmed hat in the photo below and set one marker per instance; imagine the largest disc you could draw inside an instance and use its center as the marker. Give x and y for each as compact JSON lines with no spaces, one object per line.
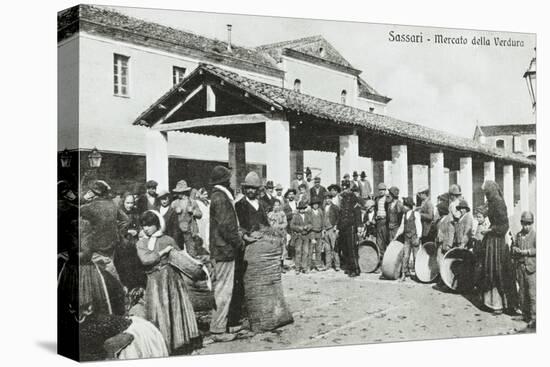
{"x":162,"y":193}
{"x":382,"y":186}
{"x":463,"y":204}
{"x":394,"y":191}
{"x":408,"y":202}
{"x":423,"y":190}
{"x":278,"y":187}
{"x":252,"y":180}
{"x":355,"y":174}
{"x":527,"y":217}
{"x":317,"y":179}
{"x":151,"y":184}
{"x":269,"y":185}
{"x":334,"y":187}
{"x":316,"y":200}
{"x":363,"y":174}
{"x":455,"y":190}
{"x":181,"y":186}
{"x":290,"y":191}
{"x":219,"y":175}
{"x":302,"y":204}
{"x":100,"y":187}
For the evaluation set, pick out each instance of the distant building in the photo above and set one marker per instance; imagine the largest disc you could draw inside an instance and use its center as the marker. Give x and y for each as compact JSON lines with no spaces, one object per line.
{"x":517,"y":138}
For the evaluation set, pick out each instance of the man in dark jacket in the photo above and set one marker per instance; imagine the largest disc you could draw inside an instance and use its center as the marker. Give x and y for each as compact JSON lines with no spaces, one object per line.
{"x":348,"y":226}
{"x":225,"y":243}
{"x":148,"y":200}
{"x":101,"y":213}
{"x":317,"y":192}
{"x":268,"y":197}
{"x":426,"y":211}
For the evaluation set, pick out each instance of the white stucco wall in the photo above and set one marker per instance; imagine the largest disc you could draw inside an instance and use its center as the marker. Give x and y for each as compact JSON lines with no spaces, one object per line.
{"x":523,"y":140}
{"x":106,"y":119}
{"x":366,"y":104}
{"x":67,"y":93}
{"x":320,"y":81}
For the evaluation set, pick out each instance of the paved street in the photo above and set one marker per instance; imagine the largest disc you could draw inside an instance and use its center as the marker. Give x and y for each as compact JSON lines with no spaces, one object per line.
{"x":331,"y":309}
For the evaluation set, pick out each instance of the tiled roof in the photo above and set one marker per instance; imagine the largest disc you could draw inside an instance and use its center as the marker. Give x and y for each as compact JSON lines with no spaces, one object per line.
{"x":308,"y":45}
{"x":282,"y":98}
{"x":368,"y":92}
{"x":512,"y":129}
{"x":114,"y":24}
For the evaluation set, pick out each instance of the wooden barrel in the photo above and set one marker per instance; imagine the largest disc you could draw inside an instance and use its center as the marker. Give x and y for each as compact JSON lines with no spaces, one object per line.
{"x":391,"y":263}
{"x":457,"y":269}
{"x":426,"y":265}
{"x":369,"y":257}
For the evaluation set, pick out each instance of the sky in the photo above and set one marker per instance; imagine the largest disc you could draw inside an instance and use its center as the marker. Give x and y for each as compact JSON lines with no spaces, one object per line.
{"x":442,"y":86}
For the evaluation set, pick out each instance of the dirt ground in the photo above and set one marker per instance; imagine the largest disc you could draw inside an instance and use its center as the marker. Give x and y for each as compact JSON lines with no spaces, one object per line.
{"x":331,"y":309}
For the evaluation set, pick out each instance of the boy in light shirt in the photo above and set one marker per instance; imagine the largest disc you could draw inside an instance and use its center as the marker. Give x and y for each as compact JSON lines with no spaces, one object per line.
{"x":411,"y":228}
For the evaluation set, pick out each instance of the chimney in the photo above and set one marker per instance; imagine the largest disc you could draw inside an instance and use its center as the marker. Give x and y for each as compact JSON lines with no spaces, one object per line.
{"x":229,"y":38}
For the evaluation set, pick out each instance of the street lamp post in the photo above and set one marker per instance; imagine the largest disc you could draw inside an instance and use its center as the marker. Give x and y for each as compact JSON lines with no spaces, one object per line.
{"x":94,"y":162}
{"x":531,"y":78}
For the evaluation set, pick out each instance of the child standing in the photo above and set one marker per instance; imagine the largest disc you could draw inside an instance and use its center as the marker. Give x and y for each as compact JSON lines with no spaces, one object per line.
{"x":300,"y":227}
{"x":277,"y":221}
{"x":411,"y":228}
{"x":524,"y":251}
{"x":316,"y":234}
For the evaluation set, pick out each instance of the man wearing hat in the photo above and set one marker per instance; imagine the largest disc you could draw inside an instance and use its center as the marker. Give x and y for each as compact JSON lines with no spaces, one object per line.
{"x":290,"y":208}
{"x":279,"y":193}
{"x":365,"y":187}
{"x":300,"y":227}
{"x":268,"y":198}
{"x":355,"y":182}
{"x":317,"y":218}
{"x":426,"y":211}
{"x":348,"y":227}
{"x":317,"y":191}
{"x":464,"y":226}
{"x":394,"y":211}
{"x":225,"y":246}
{"x":332,"y":212}
{"x":252,"y":216}
{"x":334,"y":191}
{"x":455,"y":195}
{"x":380,"y":216}
{"x":298,"y":180}
{"x":347,"y":179}
{"x":524,"y":251}
{"x":411,"y":229}
{"x":101,"y":213}
{"x":148,"y":200}
{"x":188,"y":212}
{"x":170,"y":217}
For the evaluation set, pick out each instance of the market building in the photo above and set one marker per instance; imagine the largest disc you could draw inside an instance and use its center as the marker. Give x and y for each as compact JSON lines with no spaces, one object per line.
{"x":160,"y":103}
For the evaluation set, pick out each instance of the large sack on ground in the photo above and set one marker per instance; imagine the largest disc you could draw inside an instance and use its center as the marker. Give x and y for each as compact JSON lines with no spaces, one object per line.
{"x":265,"y":301}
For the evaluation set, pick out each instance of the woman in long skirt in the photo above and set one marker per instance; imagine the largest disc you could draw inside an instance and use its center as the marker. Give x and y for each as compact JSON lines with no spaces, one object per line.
{"x":167,"y":303}
{"x":497,"y":285}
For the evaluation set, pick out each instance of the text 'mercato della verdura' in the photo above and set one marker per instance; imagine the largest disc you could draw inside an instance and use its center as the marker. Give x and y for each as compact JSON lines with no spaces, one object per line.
{"x":454,"y":40}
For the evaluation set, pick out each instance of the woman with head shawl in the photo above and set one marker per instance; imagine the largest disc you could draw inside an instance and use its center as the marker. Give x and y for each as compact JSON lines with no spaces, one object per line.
{"x":167,"y":303}
{"x":497,"y":284}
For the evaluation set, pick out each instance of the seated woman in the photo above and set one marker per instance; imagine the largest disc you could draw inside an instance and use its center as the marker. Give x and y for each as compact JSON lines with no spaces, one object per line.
{"x":167,"y":303}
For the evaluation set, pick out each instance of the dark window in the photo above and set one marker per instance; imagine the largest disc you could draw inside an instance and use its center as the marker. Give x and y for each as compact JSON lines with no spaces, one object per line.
{"x":343,"y":96}
{"x":121,"y":75}
{"x":297,"y":85}
{"x":500,"y":143}
{"x":532,"y":145}
{"x":178,"y":73}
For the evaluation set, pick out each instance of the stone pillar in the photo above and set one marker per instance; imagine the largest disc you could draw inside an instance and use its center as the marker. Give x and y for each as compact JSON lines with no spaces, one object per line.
{"x":349,"y":153}
{"x":156,"y":157}
{"x":489,"y":171}
{"x":296,"y":163}
{"x":400,"y":170}
{"x":277,"y":141}
{"x":419,"y":178}
{"x":388,"y":177}
{"x":524,"y":188}
{"x":237,"y":162}
{"x":508,"y":187}
{"x":465,"y":180}
{"x":437,"y":176}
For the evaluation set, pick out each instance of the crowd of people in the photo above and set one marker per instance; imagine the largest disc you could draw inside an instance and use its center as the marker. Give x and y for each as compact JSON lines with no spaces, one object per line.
{"x":122,"y":246}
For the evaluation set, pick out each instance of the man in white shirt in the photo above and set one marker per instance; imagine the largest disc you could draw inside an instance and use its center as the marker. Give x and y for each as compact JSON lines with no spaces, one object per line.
{"x":411,"y":228}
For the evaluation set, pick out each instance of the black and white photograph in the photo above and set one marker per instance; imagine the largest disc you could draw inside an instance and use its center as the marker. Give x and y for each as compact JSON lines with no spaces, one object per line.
{"x":237,"y":183}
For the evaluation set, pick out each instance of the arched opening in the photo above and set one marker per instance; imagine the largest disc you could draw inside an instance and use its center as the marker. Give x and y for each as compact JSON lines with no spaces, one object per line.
{"x":343,"y":96}
{"x":297,"y":85}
